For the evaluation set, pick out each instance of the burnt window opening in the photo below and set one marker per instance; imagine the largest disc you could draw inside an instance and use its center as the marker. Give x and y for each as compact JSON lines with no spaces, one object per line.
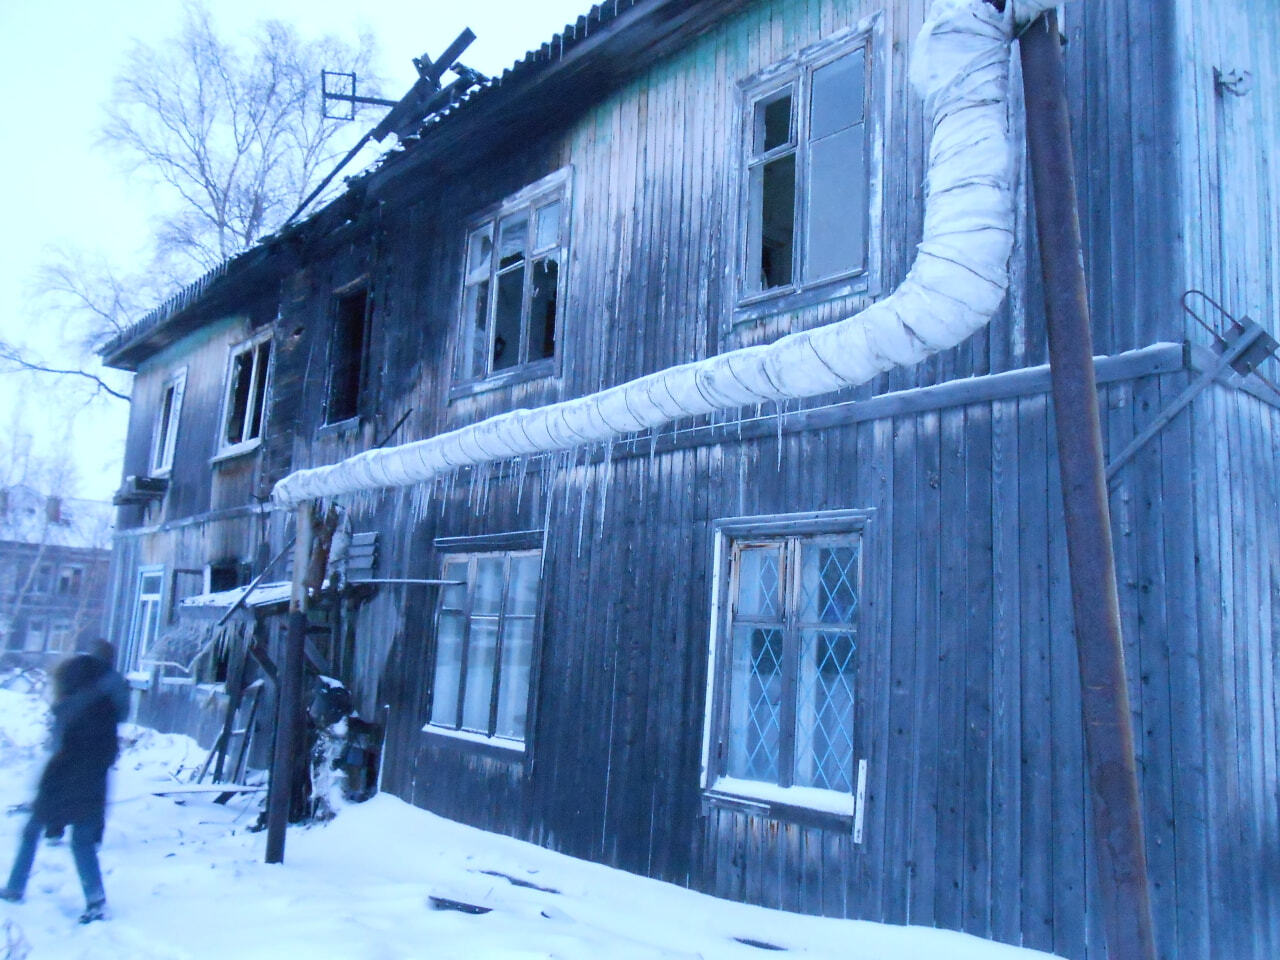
{"x":347,"y":350}
{"x":807,"y":173}
{"x":164,"y":440}
{"x":246,"y":395}
{"x":511,"y":286}
{"x":226,"y":575}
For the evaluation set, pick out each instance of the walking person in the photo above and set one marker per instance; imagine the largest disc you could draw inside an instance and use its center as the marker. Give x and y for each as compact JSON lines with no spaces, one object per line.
{"x":73,"y":786}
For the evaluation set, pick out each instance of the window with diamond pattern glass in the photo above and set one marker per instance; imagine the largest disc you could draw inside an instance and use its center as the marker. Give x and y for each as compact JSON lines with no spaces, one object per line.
{"x":791,"y":662}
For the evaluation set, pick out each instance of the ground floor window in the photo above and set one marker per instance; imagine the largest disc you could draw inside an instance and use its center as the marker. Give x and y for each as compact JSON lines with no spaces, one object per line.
{"x":485,"y":631}
{"x":785,"y":656}
{"x":146,"y":613}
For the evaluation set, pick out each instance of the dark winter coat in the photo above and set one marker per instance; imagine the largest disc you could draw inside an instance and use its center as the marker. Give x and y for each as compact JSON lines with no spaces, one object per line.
{"x":73,"y":787}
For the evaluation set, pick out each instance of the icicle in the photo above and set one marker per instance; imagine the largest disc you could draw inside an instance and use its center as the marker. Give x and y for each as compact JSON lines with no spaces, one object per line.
{"x":582,"y":502}
{"x":605,"y":482}
{"x":777,"y":412}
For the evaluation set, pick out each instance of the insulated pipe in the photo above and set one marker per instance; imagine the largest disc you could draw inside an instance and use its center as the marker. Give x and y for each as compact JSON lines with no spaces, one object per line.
{"x":958,"y":281}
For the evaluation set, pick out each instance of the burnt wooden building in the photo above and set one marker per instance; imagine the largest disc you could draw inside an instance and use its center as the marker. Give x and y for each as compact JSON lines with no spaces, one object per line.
{"x":816,"y":655}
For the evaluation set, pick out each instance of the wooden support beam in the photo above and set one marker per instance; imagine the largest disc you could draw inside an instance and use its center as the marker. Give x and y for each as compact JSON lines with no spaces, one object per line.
{"x":1113,"y":778}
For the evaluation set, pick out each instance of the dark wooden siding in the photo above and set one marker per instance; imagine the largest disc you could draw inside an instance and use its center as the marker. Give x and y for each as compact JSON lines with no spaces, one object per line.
{"x":978,"y":815}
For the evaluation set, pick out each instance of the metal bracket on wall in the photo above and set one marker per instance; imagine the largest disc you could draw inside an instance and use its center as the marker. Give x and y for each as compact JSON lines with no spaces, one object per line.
{"x":1244,"y":346}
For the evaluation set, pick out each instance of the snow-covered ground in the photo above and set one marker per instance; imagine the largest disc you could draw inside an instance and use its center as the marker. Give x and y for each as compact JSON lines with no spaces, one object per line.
{"x":185,"y":879}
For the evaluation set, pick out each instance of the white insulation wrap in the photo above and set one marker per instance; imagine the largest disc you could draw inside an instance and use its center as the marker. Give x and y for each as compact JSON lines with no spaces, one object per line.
{"x":958,"y":281}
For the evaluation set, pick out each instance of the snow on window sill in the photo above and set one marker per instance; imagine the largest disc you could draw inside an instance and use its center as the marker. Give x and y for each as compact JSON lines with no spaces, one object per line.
{"x":467,"y":736}
{"x":237,"y":450}
{"x":804,"y":798}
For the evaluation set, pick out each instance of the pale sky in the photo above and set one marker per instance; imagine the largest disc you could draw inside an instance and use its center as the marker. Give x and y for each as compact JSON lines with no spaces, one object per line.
{"x":57,"y":62}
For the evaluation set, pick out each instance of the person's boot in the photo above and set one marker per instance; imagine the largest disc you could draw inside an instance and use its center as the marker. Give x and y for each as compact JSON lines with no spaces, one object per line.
{"x":8,"y":893}
{"x":94,"y":911}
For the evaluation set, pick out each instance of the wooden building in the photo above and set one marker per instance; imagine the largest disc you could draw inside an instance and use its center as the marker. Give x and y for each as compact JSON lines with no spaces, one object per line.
{"x":818,"y":654}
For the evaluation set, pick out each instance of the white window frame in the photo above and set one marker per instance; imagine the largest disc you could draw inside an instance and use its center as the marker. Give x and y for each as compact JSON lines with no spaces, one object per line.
{"x":489,"y":736}
{"x":37,"y":629}
{"x":796,"y":72}
{"x":137,"y":648}
{"x":258,"y":393}
{"x":550,"y":189}
{"x":164,"y":436}
{"x":765,"y":797}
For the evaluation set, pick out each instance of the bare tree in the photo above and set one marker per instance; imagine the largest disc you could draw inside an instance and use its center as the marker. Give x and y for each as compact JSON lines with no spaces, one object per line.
{"x":235,"y":132}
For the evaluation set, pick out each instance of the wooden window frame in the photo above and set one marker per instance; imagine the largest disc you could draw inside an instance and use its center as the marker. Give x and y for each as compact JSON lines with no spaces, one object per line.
{"x":259,"y":388}
{"x":550,"y":189}
{"x":473,"y":550}
{"x":796,"y":72}
{"x":779,"y":799}
{"x":164,"y":437}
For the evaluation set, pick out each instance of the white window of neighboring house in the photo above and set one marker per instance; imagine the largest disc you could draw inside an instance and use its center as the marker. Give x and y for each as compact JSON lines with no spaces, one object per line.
{"x":244,"y":405}
{"x":513,"y":281}
{"x":165,"y":438}
{"x":70,"y":580}
{"x":807,"y":184}
{"x":146,"y":613}
{"x":62,"y":637}
{"x":36,"y":637}
{"x":43,"y":582}
{"x":785,"y":658}
{"x":485,"y":634}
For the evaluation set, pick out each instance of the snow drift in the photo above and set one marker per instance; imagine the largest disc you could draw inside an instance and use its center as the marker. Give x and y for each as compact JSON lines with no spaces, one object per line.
{"x":960,"y":66}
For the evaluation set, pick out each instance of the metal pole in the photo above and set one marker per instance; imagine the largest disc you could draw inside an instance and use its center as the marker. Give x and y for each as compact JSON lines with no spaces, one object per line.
{"x":1117,"y":812}
{"x":289,"y":693}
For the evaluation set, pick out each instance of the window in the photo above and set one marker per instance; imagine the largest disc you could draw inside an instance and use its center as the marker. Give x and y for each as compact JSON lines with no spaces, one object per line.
{"x":484,"y":645}
{"x":146,"y":613}
{"x":511,"y":285}
{"x":244,"y":405}
{"x":37,"y":635}
{"x":62,"y":637}
{"x":785,"y":660}
{"x":165,"y":438}
{"x":43,"y":582}
{"x":807,"y":175}
{"x":347,"y":348}
{"x":70,"y":580}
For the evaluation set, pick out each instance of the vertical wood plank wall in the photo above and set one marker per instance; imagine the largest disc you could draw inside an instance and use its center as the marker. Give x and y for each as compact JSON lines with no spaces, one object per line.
{"x":978,"y":815}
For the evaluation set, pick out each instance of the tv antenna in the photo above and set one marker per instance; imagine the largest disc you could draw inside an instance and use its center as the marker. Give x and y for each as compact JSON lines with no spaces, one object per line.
{"x":406,"y":114}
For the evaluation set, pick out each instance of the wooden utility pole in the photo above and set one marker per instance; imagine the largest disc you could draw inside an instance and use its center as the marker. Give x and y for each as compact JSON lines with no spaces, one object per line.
{"x":1117,"y":810}
{"x":289,"y":732}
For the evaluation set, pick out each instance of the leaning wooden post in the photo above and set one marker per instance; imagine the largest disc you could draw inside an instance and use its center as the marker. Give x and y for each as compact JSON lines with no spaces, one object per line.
{"x":289,"y":692}
{"x":1117,"y":811}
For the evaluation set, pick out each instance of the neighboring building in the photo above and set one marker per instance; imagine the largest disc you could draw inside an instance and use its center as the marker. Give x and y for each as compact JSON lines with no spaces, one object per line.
{"x":54,"y":556}
{"x":815,"y":655}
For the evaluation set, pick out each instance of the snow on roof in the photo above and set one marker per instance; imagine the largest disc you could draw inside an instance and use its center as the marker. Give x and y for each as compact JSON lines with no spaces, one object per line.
{"x":30,"y":516}
{"x":263,"y":595}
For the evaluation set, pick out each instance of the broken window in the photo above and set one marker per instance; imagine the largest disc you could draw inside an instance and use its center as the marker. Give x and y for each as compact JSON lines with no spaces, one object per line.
{"x":246,"y":395}
{"x":347,"y":350}
{"x":786,"y":655}
{"x":165,"y":438}
{"x":511,"y":284}
{"x":807,"y":173}
{"x":485,"y":630}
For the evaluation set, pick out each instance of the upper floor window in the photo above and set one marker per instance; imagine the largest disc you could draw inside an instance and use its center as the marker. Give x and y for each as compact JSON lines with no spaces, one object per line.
{"x":807,"y":172}
{"x":348,"y":347}
{"x":511,"y":286}
{"x":71,"y":580}
{"x":485,"y":630}
{"x":245,"y":402}
{"x":165,"y":438}
{"x":785,"y":659}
